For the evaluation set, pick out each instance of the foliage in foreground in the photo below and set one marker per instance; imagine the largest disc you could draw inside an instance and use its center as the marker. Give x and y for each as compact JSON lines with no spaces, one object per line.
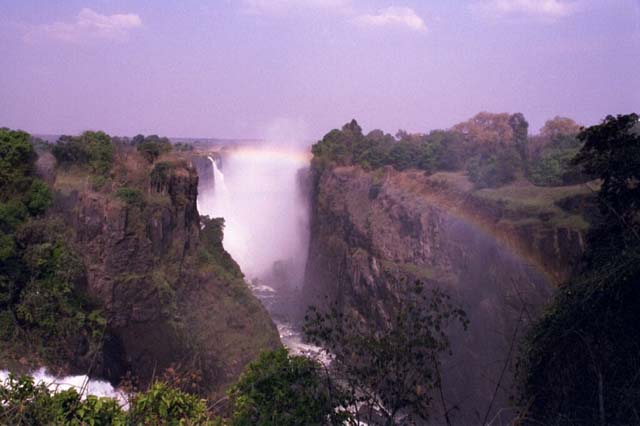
{"x":285,"y":390}
{"x":580,"y":362}
{"x":25,"y":403}
{"x":392,"y":371}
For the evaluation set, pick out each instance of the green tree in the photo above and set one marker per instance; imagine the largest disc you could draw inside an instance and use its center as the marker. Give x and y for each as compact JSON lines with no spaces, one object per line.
{"x":91,"y":150}
{"x":280,"y":389}
{"x":580,"y":361}
{"x":152,"y":147}
{"x":391,"y":369}
{"x":17,"y":159}
{"x":520,"y":128}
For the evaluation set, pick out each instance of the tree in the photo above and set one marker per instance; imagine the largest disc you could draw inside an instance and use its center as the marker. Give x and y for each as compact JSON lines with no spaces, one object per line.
{"x":391,"y":369}
{"x":486,"y":132}
{"x":495,"y":170}
{"x":280,"y":389}
{"x":580,"y":361}
{"x":152,"y":147}
{"x":91,"y":150}
{"x":559,"y":126}
{"x":611,"y":153}
{"x":521,"y":137}
{"x":17,"y":159}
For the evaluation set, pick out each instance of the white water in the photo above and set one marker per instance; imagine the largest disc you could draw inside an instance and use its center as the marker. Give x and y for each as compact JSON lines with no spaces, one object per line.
{"x":266,"y":216}
{"x":257,"y":191}
{"x":80,"y":383}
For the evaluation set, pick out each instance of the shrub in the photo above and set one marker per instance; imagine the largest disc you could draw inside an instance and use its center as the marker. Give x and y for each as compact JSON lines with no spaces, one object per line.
{"x":38,"y":198}
{"x":160,"y":175}
{"x":25,"y":403}
{"x":17,"y":159}
{"x":492,"y":171}
{"x":131,"y":196}
{"x":151,"y":147}
{"x":284,"y":390}
{"x":164,"y":405}
{"x":91,"y":150}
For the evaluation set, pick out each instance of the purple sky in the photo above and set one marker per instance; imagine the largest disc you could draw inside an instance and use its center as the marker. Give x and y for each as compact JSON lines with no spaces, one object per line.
{"x":247,"y":68}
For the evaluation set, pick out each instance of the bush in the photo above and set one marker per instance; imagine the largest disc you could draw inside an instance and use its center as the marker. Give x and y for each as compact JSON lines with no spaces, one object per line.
{"x":553,"y":166}
{"x":39,"y":290}
{"x":160,"y":175}
{"x":164,"y":405}
{"x":91,"y":150}
{"x":284,"y":390}
{"x":151,"y":147}
{"x":131,"y":196}
{"x":38,"y":198}
{"x":25,"y":403}
{"x":17,"y":159}
{"x":493,"y":171}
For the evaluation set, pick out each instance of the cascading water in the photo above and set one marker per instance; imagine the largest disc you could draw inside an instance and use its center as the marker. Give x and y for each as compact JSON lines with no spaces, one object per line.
{"x":81,"y":383}
{"x":258,"y":192}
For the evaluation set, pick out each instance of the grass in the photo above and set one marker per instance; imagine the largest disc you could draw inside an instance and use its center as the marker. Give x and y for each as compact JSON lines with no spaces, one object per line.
{"x":522,"y":202}
{"x":71,"y":180}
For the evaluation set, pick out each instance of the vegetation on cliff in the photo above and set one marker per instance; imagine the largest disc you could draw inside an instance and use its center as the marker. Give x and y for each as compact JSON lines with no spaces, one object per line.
{"x":43,"y":310}
{"x":121,"y":276}
{"x":492,"y":149}
{"x":580,"y":362}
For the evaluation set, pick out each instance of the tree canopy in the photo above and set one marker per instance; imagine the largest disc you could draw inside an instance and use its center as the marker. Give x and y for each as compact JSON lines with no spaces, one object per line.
{"x":580,"y":361}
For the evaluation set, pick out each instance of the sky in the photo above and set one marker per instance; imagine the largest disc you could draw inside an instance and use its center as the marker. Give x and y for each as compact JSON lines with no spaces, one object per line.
{"x":254,"y":68}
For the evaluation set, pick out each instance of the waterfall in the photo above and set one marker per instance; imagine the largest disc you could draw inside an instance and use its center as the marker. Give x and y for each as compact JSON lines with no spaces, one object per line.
{"x":266,"y":220}
{"x":263,"y":199}
{"x":82,"y":384}
{"x":218,"y":177}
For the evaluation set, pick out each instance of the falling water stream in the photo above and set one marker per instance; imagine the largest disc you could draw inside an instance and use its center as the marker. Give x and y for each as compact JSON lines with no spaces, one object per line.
{"x":259,"y":192}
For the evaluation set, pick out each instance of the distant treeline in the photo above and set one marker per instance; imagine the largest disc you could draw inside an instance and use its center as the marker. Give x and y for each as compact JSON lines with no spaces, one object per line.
{"x":493,"y":150}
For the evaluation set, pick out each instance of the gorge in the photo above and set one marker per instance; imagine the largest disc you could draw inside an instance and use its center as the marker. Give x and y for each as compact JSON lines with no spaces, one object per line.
{"x":305,"y":234}
{"x":203,"y":256}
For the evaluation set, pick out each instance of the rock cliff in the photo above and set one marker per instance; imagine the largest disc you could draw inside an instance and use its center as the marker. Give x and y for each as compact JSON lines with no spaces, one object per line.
{"x":172,"y":297}
{"x":373,"y":233}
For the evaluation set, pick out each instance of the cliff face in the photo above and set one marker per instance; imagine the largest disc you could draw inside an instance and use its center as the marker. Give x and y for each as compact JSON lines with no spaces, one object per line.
{"x":168,"y":299}
{"x":373,"y":233}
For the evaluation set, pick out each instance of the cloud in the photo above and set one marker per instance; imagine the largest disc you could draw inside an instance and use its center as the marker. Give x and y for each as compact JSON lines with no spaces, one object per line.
{"x":544,"y":9}
{"x":280,"y":7}
{"x":89,"y":25}
{"x":393,"y":16}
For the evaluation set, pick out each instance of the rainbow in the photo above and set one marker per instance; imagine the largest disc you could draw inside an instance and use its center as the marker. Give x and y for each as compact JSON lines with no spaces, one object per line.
{"x":466,"y":209}
{"x":454,"y":203}
{"x":296,"y":156}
